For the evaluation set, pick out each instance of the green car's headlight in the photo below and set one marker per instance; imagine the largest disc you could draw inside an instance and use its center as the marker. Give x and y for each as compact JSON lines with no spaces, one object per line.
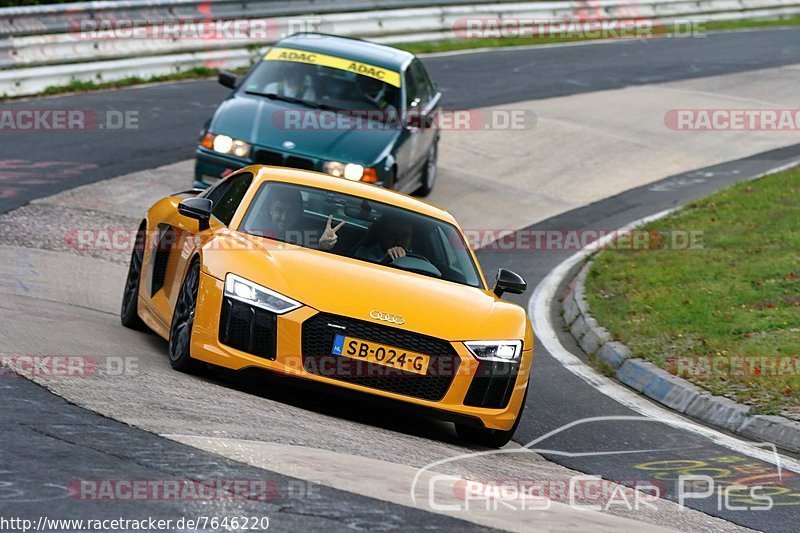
{"x":225,"y":144}
{"x":503,"y":351}
{"x":241,"y":289}
{"x":350,"y":171}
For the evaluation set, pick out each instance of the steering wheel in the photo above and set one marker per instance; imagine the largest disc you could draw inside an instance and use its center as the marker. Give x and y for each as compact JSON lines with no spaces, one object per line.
{"x":416,"y":256}
{"x":425,"y":267}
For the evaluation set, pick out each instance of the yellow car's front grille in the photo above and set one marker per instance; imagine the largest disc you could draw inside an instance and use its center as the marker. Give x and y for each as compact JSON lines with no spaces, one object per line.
{"x":318,"y":339}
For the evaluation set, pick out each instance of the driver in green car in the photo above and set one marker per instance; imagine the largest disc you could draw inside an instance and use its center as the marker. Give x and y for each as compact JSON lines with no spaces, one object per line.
{"x":293,"y":85}
{"x":374,"y":92}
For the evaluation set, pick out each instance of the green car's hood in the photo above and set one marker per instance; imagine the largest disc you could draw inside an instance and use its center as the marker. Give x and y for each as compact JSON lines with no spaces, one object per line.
{"x":260,"y":121}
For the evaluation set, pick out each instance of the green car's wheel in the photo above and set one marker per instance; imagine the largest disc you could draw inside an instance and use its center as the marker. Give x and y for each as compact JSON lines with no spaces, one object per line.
{"x":391,"y":179}
{"x":129,"y":313}
{"x":429,"y":174}
{"x":180,"y":332}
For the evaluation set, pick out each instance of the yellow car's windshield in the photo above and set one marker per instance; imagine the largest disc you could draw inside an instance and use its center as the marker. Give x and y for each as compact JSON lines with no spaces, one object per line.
{"x":362,"y":229}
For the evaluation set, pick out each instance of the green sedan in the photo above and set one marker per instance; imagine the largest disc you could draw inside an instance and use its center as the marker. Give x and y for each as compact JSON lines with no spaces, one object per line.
{"x":350,"y":108}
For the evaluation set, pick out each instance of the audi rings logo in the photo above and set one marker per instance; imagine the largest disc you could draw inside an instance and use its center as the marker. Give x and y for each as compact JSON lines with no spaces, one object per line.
{"x":386,"y":317}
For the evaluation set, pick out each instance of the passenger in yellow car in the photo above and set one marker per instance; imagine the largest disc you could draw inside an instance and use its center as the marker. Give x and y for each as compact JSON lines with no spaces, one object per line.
{"x":284,"y":208}
{"x":388,"y":239}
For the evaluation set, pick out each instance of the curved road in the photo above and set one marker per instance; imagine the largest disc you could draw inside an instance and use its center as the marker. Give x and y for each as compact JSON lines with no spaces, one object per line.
{"x":172,"y":113}
{"x":41,"y":163}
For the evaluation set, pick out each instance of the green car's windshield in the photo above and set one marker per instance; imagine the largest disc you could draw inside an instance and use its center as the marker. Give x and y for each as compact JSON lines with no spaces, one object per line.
{"x":322,"y":86}
{"x":370,"y":231}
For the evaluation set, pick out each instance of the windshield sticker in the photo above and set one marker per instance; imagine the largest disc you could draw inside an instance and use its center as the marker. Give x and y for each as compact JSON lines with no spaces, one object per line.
{"x":313,"y":58}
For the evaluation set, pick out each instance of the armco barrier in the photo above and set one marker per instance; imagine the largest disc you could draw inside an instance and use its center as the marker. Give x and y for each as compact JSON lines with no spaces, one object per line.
{"x":44,"y":19}
{"x":42,"y":45}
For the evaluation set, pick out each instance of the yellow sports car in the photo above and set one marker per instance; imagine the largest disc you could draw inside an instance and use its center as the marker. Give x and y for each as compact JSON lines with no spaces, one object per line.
{"x":334,"y":281}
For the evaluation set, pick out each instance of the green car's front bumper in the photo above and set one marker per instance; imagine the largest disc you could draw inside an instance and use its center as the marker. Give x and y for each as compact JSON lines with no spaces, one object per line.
{"x":211,"y":166}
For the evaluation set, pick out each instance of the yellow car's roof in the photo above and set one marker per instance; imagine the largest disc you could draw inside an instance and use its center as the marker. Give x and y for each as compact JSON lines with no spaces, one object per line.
{"x":342,"y":185}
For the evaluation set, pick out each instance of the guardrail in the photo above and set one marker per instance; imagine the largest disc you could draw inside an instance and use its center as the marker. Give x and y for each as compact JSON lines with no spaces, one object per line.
{"x":52,"y":45}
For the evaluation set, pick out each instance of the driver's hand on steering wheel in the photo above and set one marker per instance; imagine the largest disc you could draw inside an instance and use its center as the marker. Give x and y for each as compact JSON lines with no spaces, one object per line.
{"x":394,"y":252}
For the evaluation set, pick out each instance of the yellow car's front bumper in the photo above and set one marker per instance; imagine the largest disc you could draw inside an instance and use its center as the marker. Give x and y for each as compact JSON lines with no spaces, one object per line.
{"x":287,"y":358}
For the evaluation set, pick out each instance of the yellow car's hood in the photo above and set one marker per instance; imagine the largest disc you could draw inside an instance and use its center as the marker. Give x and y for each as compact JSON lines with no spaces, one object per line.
{"x":344,"y":286}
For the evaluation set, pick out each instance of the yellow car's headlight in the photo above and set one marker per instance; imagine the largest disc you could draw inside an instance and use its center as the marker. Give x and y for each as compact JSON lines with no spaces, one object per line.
{"x":246,"y":291}
{"x":502,"y":351}
{"x":225,"y":144}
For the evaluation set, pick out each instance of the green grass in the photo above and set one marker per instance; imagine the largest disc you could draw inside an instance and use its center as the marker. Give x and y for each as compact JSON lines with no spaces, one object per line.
{"x":737,"y":295}
{"x":78,"y":85}
{"x":748,"y":24}
{"x":449,"y":45}
{"x":84,"y":86}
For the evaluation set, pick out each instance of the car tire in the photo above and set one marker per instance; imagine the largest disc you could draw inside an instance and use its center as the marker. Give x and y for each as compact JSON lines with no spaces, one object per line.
{"x":491,"y":438}
{"x":430,"y":172}
{"x":180,"y":331}
{"x":129,"y":311}
{"x":391,"y":179}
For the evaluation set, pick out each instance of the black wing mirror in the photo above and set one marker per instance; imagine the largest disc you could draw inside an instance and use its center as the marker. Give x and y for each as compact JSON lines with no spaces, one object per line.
{"x":508,"y":281}
{"x":198,"y":209}
{"x":420,"y":119}
{"x":227,"y":79}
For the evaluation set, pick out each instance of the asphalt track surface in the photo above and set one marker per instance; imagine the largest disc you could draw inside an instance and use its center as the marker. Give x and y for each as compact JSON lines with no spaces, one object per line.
{"x":49,"y":443}
{"x":557,"y":396}
{"x":170,"y":116}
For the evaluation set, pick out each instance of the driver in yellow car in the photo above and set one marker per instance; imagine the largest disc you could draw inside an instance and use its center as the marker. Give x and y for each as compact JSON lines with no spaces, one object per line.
{"x":389,"y":239}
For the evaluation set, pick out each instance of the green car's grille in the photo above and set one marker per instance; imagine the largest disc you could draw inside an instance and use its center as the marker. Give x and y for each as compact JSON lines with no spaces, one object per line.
{"x":280,"y":159}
